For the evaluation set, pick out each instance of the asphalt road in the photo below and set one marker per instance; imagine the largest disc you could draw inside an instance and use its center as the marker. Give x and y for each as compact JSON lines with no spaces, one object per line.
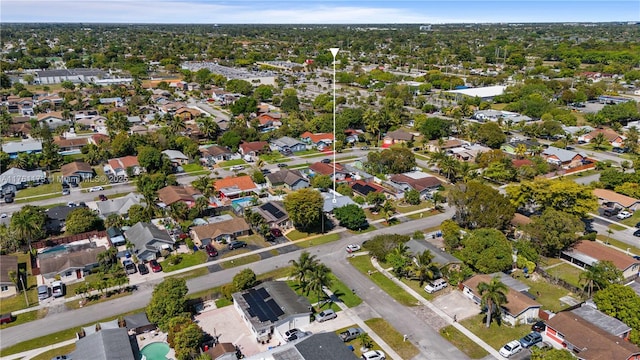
{"x":376,"y":302}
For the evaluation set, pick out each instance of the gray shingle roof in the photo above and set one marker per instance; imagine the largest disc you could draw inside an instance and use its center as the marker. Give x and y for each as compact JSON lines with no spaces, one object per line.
{"x":324,"y":346}
{"x":285,"y":176}
{"x":562,"y":154}
{"x":605,"y":322}
{"x":119,"y":205}
{"x":286,"y":141}
{"x":141,"y":235}
{"x":108,"y":344}
{"x":17,"y":176}
{"x":22,"y":146}
{"x":440,"y":257}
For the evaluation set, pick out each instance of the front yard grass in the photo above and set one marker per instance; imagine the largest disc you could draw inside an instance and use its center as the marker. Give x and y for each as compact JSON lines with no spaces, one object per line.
{"x":405,"y":208}
{"x":187,"y":260}
{"x":546,"y":293}
{"x":18,"y":302}
{"x":617,"y":227}
{"x":271,"y":156}
{"x":619,"y":244}
{"x":463,"y":343}
{"x":25,"y":317}
{"x":44,"y":189}
{"x":363,"y":264}
{"x":566,"y":272}
{"x":188,"y":168}
{"x":240,"y":261}
{"x":357,"y":344}
{"x":393,"y":338}
{"x":99,"y":180}
{"x":51,"y":354}
{"x":319,"y":240}
{"x":633,"y":220}
{"x":232,"y":162}
{"x":496,"y":335}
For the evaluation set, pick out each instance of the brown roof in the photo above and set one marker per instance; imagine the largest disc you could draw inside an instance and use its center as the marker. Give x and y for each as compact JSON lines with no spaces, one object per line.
{"x":418,"y":184}
{"x":215,"y":150}
{"x":609,"y":134}
{"x":7,"y":263}
{"x":73,"y":167}
{"x":75,"y":259}
{"x":211,"y":231}
{"x":521,"y":162}
{"x":519,"y":219}
{"x":448,"y":144}
{"x":593,"y":342}
{"x":325,"y":169}
{"x":221,"y":349}
{"x":173,"y":194}
{"x":254,"y":146}
{"x":517,"y":302}
{"x":54,"y":114}
{"x":612,"y":196}
{"x":400,"y":135}
{"x":64,"y":143}
{"x":605,"y":253}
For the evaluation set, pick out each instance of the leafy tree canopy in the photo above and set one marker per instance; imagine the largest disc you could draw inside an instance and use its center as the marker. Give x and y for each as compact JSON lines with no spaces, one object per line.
{"x":167,"y":301}
{"x":480,"y":206}
{"x":559,"y":194}
{"x":304,"y":207}
{"x":554,"y":231}
{"x":83,"y":219}
{"x":487,"y":251}
{"x":351,"y":216}
{"x":381,"y":245}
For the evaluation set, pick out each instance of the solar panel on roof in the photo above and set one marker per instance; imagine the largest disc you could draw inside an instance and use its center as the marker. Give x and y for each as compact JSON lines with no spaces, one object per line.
{"x":363,"y":189}
{"x":277,"y":311}
{"x":273,"y":210}
{"x":263,"y":293}
{"x":259,"y":308}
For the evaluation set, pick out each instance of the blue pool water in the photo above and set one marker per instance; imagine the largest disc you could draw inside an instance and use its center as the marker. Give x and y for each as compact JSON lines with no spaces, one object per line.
{"x":54,"y":249}
{"x":156,"y":351}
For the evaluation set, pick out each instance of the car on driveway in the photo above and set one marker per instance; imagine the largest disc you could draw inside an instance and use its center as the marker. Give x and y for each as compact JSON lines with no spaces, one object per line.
{"x":531,"y":339}
{"x":636,"y":233}
{"x":326,"y":315}
{"x":237,"y":245}
{"x":96,"y":188}
{"x":211,"y":250}
{"x":512,"y":348}
{"x":374,"y":355}
{"x":539,"y":326}
{"x":276,"y":232}
{"x":325,"y":161}
{"x":282,"y":165}
{"x":143,"y":269}
{"x":6,"y":318}
{"x":155,"y":266}
{"x":102,"y":197}
{"x":624,"y":215}
{"x":353,"y":247}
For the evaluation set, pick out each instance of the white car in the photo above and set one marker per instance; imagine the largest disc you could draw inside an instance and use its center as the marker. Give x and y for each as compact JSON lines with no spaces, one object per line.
{"x":374,"y":355}
{"x":326,"y":315}
{"x":512,"y":348}
{"x":237,"y":168}
{"x":96,"y":188}
{"x":353,"y":247}
{"x":624,"y":215}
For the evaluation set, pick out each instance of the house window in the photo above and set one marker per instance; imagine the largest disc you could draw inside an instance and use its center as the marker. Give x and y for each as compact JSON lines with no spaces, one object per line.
{"x":68,"y":273}
{"x":4,"y":288}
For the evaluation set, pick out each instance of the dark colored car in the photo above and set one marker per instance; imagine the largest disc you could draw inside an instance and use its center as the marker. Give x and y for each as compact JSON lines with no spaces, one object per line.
{"x":8,"y":199}
{"x":143,"y":269}
{"x":531,"y":339}
{"x":6,"y":318}
{"x":636,"y":233}
{"x":638,"y":225}
{"x":237,"y":245}
{"x":326,"y":161}
{"x":211,"y":250}
{"x":276,"y":232}
{"x":155,"y":266}
{"x":281,"y":165}
{"x":102,"y":197}
{"x":540,"y":326}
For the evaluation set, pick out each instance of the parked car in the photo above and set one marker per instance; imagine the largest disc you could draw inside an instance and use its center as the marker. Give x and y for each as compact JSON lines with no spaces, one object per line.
{"x":539,"y":326}
{"x":237,"y":245}
{"x":326,"y":315}
{"x":512,"y":348}
{"x":66,"y":191}
{"x":143,"y":269}
{"x":436,"y":285}
{"x":57,"y":288}
{"x":276,"y":232}
{"x":531,"y":339}
{"x":611,"y":211}
{"x":298,"y":335}
{"x":155,"y":266}
{"x":291,"y":332}
{"x":211,"y":250}
{"x":636,"y":233}
{"x":129,"y":267}
{"x":350,"y":334}
{"x":236,"y":168}
{"x":102,"y":197}
{"x":3,"y":215}
{"x":637,"y":257}
{"x":624,"y":215}
{"x":374,"y":355}
{"x":353,"y":247}
{"x":6,"y":318}
{"x":325,"y":161}
{"x":96,"y":188}
{"x":44,"y":292}
{"x":8,"y":199}
{"x":638,"y":225}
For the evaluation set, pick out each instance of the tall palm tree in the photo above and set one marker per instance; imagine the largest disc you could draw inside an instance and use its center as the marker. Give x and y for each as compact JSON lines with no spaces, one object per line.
{"x":494,"y":295}
{"x":202,"y":184}
{"x":591,"y":278}
{"x":28,"y":223}
{"x":521,"y":151}
{"x":301,"y":268}
{"x":387,"y":209}
{"x":318,"y":278}
{"x":599,"y":141}
{"x":177,"y":125}
{"x":449,"y":166}
{"x":423,"y":269}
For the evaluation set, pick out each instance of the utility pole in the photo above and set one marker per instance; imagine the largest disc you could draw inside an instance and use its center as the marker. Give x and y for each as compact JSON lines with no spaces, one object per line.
{"x":334,"y":52}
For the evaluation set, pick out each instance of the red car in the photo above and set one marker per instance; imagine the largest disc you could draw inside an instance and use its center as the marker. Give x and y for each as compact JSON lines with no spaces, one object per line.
{"x":211,"y":251}
{"x":155,"y":266}
{"x":276,"y":232}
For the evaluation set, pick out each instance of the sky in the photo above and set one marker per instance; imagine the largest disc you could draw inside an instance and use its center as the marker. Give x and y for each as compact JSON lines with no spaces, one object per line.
{"x":317,"y":12}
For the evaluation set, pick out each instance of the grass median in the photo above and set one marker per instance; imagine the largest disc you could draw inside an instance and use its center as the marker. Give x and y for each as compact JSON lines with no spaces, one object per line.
{"x":363,"y":264}
{"x":393,"y":338}
{"x":463,"y":342}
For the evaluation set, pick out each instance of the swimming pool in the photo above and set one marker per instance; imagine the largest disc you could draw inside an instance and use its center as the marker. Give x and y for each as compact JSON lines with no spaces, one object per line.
{"x":55,"y":249}
{"x":155,"y":351}
{"x":241,"y":203}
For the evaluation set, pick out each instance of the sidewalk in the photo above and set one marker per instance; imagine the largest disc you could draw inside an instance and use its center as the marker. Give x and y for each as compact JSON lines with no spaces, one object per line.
{"x":26,"y":355}
{"x":436,"y":310}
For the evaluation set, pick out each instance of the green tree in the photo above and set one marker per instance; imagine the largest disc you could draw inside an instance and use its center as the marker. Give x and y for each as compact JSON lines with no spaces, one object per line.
{"x":167,"y":301}
{"x":451,"y":234}
{"x":435,"y":128}
{"x":399,"y":260}
{"x":245,"y":279}
{"x":412,"y":197}
{"x":351,"y":216}
{"x":559,"y":194}
{"x":318,"y":278}
{"x":600,"y":275}
{"x":381,"y":245}
{"x":305,"y":208}
{"x":230,"y":139}
{"x":322,"y":182}
{"x":480,"y":206}
{"x":150,"y":158}
{"x":550,"y":354}
{"x":28,"y":224}
{"x":487,"y":251}
{"x":491,"y":135}
{"x":301,"y":268}
{"x":493,"y":295}
{"x":184,"y":336}
{"x":423,"y":268}
{"x":599,"y":142}
{"x":554,"y":231}
{"x":375,"y":200}
{"x":82,"y":220}
{"x":622,"y":303}
{"x":239,"y":86}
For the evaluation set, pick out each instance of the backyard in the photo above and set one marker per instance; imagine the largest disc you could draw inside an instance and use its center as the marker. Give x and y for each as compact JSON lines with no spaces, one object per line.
{"x":566,"y":272}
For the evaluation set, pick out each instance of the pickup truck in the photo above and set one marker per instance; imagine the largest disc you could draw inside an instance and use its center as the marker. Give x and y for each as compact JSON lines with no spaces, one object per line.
{"x":350,"y":334}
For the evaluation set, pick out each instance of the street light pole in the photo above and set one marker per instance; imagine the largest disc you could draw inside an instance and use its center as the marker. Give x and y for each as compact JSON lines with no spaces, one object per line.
{"x":334,"y":52}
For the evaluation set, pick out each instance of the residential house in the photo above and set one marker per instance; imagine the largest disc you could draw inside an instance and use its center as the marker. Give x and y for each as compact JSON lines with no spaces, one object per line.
{"x":519,"y":308}
{"x":586,"y":253}
{"x":176,"y":157}
{"x":442,"y":259}
{"x":119,"y":206}
{"x":148,"y":240}
{"x":13,"y":148}
{"x":396,"y":137}
{"x":290,"y":179}
{"x":96,"y":123}
{"x":53,"y":119}
{"x":272,"y":306}
{"x":57,"y":217}
{"x":352,"y":136}
{"x":16,"y":179}
{"x":613,"y":199}
{"x":274,"y":214}
{"x":8,"y":264}
{"x":112,"y":101}
{"x":96,"y":139}
{"x":169,"y":195}
{"x":213,"y":154}
{"x":319,"y":346}
{"x":468,"y":153}
{"x":586,"y":341}
{"x":320,"y":168}
{"x":425,"y":184}
{"x":69,"y":146}
{"x":222,"y":351}
{"x":331,"y":203}
{"x":115,"y":236}
{"x":138,"y":323}
{"x":613,"y":138}
{"x":437,"y":145}
{"x":76,"y":172}
{"x":589,"y":312}
{"x":529,"y":145}
{"x":318,"y":140}
{"x":356,"y":171}
{"x":186,"y":113}
{"x":233,"y":187}
{"x":286,"y":144}
{"x":363,"y":188}
{"x":70,"y":265}
{"x":54,"y":101}
{"x":118,"y":167}
{"x":254,"y":148}
{"x":19,"y":130}
{"x":567,"y":159}
{"x":269,"y":121}
{"x":106,"y":344}
{"x":222,"y":231}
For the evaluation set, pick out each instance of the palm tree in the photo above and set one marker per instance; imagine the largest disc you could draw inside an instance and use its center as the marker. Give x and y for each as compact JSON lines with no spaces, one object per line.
{"x":493,"y":296}
{"x":423,"y":269}
{"x":177,"y":125}
{"x":28,"y":223}
{"x":209,"y":127}
{"x":260,"y":163}
{"x":387,"y":209}
{"x":599,"y":141}
{"x":521,"y":151}
{"x":318,"y":278}
{"x":591,"y":278}
{"x":179,"y":210}
{"x":449,"y":166}
{"x":114,"y":220}
{"x":202,"y":184}
{"x":301,"y":268}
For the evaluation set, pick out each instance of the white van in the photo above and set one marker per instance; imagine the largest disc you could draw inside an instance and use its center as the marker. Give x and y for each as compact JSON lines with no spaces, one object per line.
{"x":57,"y":288}
{"x":436,"y":285}
{"x":237,"y":168}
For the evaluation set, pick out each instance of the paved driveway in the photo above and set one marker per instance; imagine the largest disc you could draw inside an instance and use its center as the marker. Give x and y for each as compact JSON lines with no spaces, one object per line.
{"x":455,"y":303}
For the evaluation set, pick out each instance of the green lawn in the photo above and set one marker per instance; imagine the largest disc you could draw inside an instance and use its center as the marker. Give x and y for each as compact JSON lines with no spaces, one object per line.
{"x":18,"y":301}
{"x":393,"y":338}
{"x":232,"y":163}
{"x":44,"y":189}
{"x":405,"y":208}
{"x":306,"y":152}
{"x":363,"y":263}
{"x":241,"y":261}
{"x":271,"y":157}
{"x":372,"y":216}
{"x":567,"y":272}
{"x":222,"y":302}
{"x":25,"y":317}
{"x":319,"y":240}
{"x":112,"y":196}
{"x":619,"y":244}
{"x":368,"y":229}
{"x":546,"y":293}
{"x":188,"y":260}
{"x":423,"y":214}
{"x":188,"y":168}
{"x":463,"y":342}
{"x":99,"y":180}
{"x":496,"y":335}
{"x":617,"y":227}
{"x":191,"y":273}
{"x":357,"y":344}
{"x":415,"y":286}
{"x":294,"y":235}
{"x":47,"y":355}
{"x":633,"y":220}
